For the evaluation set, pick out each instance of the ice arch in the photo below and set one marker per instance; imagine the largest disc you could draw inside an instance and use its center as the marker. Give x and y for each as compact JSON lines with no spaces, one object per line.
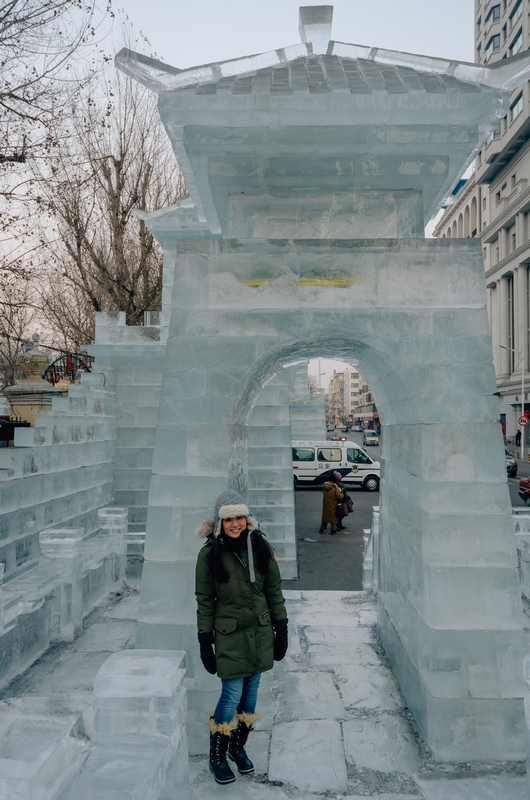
{"x":412,"y":312}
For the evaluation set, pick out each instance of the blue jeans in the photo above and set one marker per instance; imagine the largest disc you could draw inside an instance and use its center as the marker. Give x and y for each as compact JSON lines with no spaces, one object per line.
{"x":237,"y":694}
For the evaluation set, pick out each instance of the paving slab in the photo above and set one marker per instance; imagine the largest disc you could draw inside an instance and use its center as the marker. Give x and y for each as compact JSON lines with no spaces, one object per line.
{"x":126,"y":608}
{"x":333,"y":639}
{"x":106,"y":637}
{"x":361,"y":653}
{"x":242,"y":789}
{"x":370,"y":687}
{"x":77,"y":673}
{"x":383,"y":743}
{"x":381,"y":797}
{"x":310,"y":757}
{"x":491,"y":787}
{"x":309,"y":695}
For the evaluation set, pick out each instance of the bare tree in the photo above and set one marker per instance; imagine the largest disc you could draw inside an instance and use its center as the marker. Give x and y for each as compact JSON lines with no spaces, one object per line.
{"x":37,"y":41}
{"x":17,"y":314}
{"x":118,"y":158}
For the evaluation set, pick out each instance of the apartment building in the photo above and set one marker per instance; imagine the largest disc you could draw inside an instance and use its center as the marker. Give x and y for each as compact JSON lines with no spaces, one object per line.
{"x":352,"y":391}
{"x":494,"y":204}
{"x":335,"y":397}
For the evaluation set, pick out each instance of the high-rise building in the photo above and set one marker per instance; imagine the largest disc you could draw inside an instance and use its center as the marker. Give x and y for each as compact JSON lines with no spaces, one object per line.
{"x":352,"y":391}
{"x":494,"y":204}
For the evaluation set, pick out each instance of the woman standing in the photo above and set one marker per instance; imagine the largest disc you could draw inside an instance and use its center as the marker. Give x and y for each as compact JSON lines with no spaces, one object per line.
{"x":240,"y":610}
{"x":332,"y":495}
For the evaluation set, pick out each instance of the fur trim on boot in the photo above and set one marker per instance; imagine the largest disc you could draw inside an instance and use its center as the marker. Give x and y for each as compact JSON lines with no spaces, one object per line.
{"x":225,"y":728}
{"x":248,"y":719}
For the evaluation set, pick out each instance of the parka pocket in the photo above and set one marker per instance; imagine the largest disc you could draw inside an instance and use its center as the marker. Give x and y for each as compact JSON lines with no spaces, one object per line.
{"x":225,"y":625}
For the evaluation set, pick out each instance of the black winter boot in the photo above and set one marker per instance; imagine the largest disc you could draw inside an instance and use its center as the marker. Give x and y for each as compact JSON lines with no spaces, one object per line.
{"x":238,"y":740}
{"x":219,"y":737}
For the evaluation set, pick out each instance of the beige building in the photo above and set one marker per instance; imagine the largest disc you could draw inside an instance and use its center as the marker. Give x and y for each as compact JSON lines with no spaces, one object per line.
{"x":335,"y":397}
{"x":494,"y":204}
{"x":352,"y":391}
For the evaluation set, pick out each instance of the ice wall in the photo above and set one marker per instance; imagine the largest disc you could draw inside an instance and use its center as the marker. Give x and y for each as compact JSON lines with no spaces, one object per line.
{"x":59,"y":472}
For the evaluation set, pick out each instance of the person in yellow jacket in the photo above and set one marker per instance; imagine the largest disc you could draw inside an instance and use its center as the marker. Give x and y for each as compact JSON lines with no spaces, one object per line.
{"x":331,"y":495}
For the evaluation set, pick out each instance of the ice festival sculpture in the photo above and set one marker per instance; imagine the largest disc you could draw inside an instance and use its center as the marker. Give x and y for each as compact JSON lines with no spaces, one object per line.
{"x":311,"y":172}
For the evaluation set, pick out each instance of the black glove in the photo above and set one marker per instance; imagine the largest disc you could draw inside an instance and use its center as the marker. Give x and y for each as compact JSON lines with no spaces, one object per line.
{"x":207,"y":653}
{"x":280,"y":638}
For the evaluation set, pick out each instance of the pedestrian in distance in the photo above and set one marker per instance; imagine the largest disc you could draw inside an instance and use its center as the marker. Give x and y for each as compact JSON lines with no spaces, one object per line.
{"x":518,"y":438}
{"x":332,"y":495}
{"x":242,"y":625}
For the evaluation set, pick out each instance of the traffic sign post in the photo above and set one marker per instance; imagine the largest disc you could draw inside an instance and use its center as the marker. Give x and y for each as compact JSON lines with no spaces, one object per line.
{"x":522,"y":421}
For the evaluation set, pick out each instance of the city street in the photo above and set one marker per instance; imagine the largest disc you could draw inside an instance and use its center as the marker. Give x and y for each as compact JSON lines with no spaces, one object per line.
{"x":335,"y":562}
{"x":332,"y":562}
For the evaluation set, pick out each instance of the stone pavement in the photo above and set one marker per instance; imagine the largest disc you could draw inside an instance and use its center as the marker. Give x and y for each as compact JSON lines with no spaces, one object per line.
{"x":333,"y":723}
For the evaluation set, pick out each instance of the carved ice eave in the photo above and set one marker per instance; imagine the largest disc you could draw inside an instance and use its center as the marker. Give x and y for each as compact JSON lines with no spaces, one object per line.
{"x":160,"y":77}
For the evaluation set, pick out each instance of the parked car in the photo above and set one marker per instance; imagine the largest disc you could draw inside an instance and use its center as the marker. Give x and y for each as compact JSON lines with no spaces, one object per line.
{"x":370,"y":437}
{"x":357,"y":429}
{"x":524,"y":490}
{"x":511,"y":465}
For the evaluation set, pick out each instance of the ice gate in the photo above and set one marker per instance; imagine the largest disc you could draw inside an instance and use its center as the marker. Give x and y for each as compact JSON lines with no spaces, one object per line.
{"x":311,"y":172}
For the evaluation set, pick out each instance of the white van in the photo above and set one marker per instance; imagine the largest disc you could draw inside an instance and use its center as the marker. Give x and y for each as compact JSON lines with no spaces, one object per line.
{"x":311,"y":459}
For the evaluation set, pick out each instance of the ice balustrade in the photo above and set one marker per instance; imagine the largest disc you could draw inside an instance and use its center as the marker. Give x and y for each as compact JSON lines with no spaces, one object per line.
{"x":49,"y":602}
{"x":311,"y":171}
{"x":129,"y":742}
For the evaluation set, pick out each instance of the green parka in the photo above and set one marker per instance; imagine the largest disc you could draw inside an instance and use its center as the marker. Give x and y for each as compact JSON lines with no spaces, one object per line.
{"x":240,"y":612}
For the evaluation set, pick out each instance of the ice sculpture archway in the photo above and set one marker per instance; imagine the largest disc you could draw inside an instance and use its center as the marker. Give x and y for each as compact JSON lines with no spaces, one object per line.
{"x":344,"y":345}
{"x":412,"y":312}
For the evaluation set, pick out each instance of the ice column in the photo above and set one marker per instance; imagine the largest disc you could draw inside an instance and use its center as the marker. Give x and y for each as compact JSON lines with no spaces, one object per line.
{"x":308,"y":411}
{"x":270,"y":471}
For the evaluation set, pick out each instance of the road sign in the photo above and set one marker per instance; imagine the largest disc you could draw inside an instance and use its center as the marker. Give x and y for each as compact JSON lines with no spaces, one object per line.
{"x":522,"y":421}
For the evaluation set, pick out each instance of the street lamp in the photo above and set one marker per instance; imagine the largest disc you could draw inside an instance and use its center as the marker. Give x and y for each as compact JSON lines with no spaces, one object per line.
{"x":521,"y":354}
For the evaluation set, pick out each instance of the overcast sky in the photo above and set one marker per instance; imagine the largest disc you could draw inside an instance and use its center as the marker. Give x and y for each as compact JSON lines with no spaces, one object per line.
{"x":186,"y":34}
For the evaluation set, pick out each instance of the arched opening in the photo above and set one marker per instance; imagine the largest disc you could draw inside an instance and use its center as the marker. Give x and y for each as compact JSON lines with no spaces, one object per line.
{"x":460,"y":230}
{"x":466,"y":223}
{"x":449,"y":233}
{"x":454,"y":230}
{"x":264,"y":475}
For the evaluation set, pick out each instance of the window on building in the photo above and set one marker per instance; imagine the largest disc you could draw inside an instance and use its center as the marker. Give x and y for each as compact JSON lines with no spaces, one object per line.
{"x":503,"y":187}
{"x":497,"y":198}
{"x":514,"y":242}
{"x":494,"y":14}
{"x":517,"y":43}
{"x":496,"y":131}
{"x":494,"y":45}
{"x":484,"y":203}
{"x":479,"y":22}
{"x":516,"y":13}
{"x":514,"y":181}
{"x":516,"y":107}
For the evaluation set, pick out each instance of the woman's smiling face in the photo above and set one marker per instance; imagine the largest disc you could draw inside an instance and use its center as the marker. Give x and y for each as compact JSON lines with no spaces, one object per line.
{"x":234,"y":527}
